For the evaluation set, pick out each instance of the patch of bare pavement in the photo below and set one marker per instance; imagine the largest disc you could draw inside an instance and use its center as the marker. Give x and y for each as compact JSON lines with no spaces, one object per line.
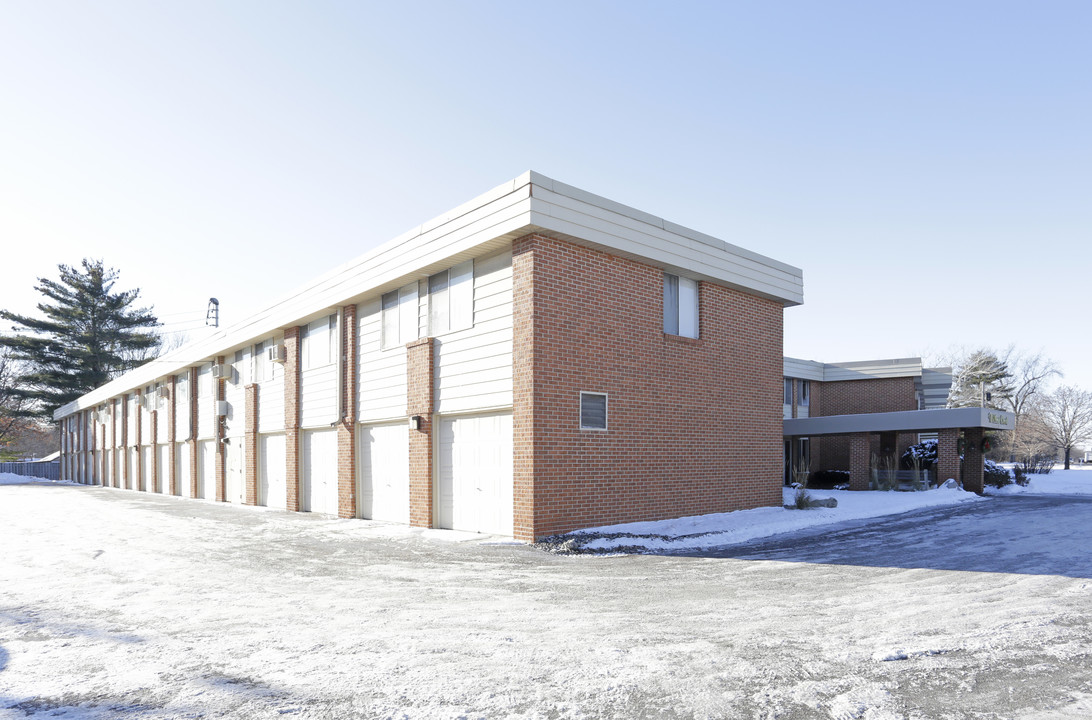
{"x":116,"y":603}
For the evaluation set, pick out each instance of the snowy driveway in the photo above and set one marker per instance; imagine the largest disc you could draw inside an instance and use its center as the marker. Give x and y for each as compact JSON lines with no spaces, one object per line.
{"x":115,"y":603}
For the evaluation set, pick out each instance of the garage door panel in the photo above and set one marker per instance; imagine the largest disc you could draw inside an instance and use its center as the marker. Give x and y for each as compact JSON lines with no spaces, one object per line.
{"x":164,"y":452}
{"x":475,"y":490}
{"x":206,"y":469}
{"x":383,"y":452}
{"x":273,"y":485}
{"x":319,"y":476}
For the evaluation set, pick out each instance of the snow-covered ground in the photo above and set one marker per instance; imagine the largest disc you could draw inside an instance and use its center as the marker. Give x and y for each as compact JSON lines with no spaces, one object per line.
{"x":116,"y":603}
{"x":708,"y":531}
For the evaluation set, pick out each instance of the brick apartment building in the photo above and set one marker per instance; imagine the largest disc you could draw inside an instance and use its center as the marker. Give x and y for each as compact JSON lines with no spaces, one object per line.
{"x":537,"y":360}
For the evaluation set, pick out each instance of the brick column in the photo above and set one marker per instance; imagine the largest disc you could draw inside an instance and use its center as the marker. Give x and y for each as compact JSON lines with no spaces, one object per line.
{"x":138,"y":470}
{"x":947,"y":455}
{"x":420,"y":401}
{"x":973,"y":460}
{"x":250,"y":445}
{"x":86,"y":443}
{"x":124,"y":480}
{"x":172,"y":438}
{"x":860,"y":461}
{"x":523,"y":390}
{"x":218,"y":432}
{"x":346,"y":426}
{"x":292,"y":416}
{"x":193,"y":432}
{"x":102,"y":454}
{"x":154,"y":479}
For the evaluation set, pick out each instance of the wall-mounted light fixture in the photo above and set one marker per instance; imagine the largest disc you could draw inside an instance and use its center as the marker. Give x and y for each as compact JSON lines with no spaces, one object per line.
{"x":415,"y":422}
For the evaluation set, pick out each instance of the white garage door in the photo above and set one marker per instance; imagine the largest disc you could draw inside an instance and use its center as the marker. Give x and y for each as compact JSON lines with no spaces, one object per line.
{"x":132,"y":461}
{"x":109,"y":479}
{"x":475,"y":478}
{"x":146,"y":469}
{"x":319,"y":477}
{"x":183,"y":467}
{"x":234,"y":484}
{"x":272,"y":485}
{"x":383,"y":453}
{"x":164,"y":468}
{"x":206,"y":469}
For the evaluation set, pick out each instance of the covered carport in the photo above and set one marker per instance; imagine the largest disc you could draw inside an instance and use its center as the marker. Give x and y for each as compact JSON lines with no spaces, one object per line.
{"x":951,"y":425}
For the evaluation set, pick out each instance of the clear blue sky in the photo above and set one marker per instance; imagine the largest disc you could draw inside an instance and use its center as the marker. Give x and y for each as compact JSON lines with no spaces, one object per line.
{"x":927,"y":164}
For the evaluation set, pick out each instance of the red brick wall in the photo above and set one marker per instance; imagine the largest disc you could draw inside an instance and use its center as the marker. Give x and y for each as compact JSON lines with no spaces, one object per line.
{"x":346,"y":445}
{"x":218,"y":432}
{"x":853,"y":397}
{"x":172,"y":432}
{"x":694,"y":425}
{"x":250,"y":464}
{"x":192,"y":442}
{"x":420,"y":399}
{"x":292,"y":416}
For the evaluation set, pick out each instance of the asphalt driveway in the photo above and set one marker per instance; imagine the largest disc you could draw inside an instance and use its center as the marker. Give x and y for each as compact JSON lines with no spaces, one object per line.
{"x":115,"y":603}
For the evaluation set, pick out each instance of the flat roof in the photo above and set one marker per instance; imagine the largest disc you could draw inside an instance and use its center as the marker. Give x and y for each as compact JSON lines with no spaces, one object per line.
{"x":905,"y":421}
{"x":527,"y":204}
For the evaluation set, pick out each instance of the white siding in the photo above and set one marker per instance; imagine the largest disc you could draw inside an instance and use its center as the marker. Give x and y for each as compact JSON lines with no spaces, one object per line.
{"x":132,"y":404}
{"x":474,"y":366}
{"x":162,"y":409}
{"x":318,"y":396}
{"x":183,"y":469}
{"x":269,"y":376}
{"x":381,"y":375}
{"x":235,"y":394}
{"x":147,"y":404}
{"x":146,"y":468}
{"x":205,"y":402}
{"x":234,"y":484}
{"x":182,"y":407}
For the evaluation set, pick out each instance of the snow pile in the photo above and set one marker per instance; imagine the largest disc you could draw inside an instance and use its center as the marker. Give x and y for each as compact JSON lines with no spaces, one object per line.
{"x":709,"y":531}
{"x":1059,"y":482}
{"x":13,"y":479}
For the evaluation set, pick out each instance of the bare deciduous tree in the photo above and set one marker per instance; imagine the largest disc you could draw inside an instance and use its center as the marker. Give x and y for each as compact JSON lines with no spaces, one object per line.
{"x":1030,"y":372}
{"x":1066,"y":417}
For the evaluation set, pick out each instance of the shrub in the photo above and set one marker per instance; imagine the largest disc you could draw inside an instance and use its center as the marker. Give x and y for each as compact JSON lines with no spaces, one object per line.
{"x":995,"y":475}
{"x":1019,"y":476}
{"x":828,"y":479}
{"x":924,"y":453}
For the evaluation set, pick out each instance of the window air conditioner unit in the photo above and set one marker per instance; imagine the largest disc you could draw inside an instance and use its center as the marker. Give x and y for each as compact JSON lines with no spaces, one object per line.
{"x":221,"y":372}
{"x":163,"y":391}
{"x":276,"y":353}
{"x":221,"y":408}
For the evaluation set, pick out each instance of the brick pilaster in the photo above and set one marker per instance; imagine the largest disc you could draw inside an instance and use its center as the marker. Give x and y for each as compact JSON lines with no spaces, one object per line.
{"x":973,"y":460}
{"x":420,"y":401}
{"x":250,"y":444}
{"x":154,"y":479}
{"x":947,"y":455}
{"x":292,"y":416}
{"x":102,"y":455}
{"x":172,"y":432}
{"x":138,"y":470}
{"x":193,"y":432}
{"x":123,"y":472}
{"x":860,"y":461}
{"x":218,"y":433}
{"x":523,"y":387}
{"x":346,"y":445}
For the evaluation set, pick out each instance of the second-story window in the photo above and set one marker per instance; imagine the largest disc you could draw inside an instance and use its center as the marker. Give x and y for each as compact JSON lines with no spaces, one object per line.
{"x":680,"y":306}
{"x":319,"y":343}
{"x":788,"y":391}
{"x":451,"y":299}
{"x":805,"y":393}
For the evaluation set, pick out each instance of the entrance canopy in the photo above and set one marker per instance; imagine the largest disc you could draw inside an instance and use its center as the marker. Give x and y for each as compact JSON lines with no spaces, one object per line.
{"x":906,"y":421}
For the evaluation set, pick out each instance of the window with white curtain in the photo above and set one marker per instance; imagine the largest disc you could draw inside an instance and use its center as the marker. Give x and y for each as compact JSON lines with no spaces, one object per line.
{"x":680,"y":306}
{"x":400,"y":324}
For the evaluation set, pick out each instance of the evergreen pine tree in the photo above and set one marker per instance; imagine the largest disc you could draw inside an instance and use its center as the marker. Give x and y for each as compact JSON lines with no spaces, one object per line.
{"x":88,"y":336}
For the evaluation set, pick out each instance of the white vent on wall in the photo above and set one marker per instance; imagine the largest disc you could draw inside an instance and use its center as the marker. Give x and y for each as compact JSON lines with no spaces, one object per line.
{"x":276,"y":353}
{"x":221,"y":407}
{"x":221,"y":372}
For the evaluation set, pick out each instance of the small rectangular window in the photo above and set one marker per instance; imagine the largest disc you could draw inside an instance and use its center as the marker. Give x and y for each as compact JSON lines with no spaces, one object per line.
{"x":451,"y":299}
{"x":399,"y":309}
{"x":788,"y":391}
{"x":804,"y":393}
{"x":680,"y":306}
{"x":318,"y":343}
{"x":593,"y":411}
